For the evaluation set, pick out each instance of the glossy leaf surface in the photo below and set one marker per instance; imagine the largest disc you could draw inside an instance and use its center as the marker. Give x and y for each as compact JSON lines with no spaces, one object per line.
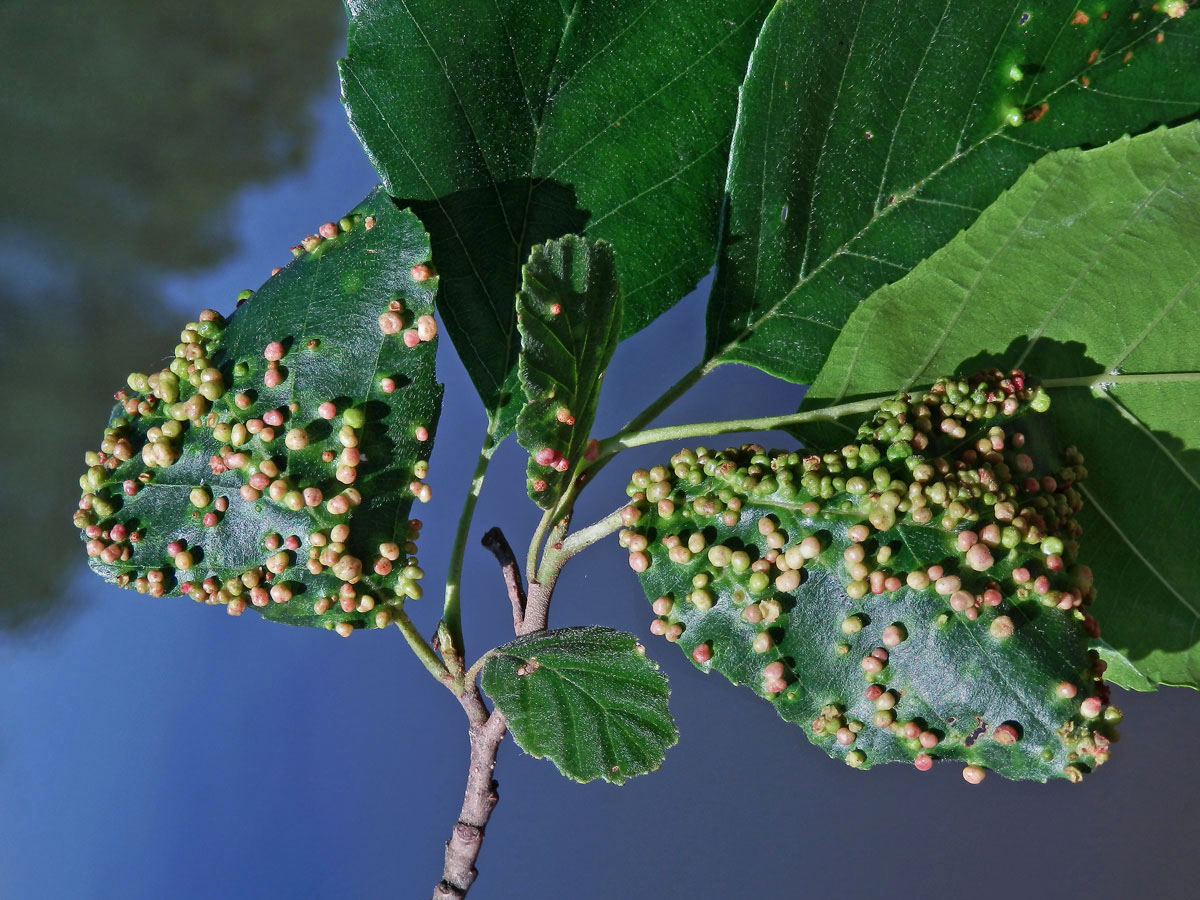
{"x":284,"y":479}
{"x":871,"y":132}
{"x":516,"y":121}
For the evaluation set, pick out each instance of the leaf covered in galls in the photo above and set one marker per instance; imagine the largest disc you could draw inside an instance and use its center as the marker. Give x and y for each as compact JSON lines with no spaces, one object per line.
{"x":273,"y":462}
{"x":1086,"y":271}
{"x":586,"y":698}
{"x":569,"y":314}
{"x":914,"y":595}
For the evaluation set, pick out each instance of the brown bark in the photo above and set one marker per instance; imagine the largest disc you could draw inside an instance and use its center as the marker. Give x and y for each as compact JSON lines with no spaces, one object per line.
{"x":480,"y":798}
{"x":495,"y":541}
{"x":486,"y":732}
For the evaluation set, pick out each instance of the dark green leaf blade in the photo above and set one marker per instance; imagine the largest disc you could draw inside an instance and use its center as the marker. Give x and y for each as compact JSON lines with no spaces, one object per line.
{"x":317,"y":417}
{"x":569,"y":313}
{"x":586,"y":698}
{"x":1088,"y":272}
{"x":514,"y":122}
{"x":902,"y":599}
{"x":871,"y":132}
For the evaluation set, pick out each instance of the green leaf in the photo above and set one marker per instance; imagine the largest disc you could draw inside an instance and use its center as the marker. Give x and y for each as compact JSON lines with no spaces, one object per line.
{"x":810,"y":579}
{"x":1087,"y":272}
{"x":871,"y":132}
{"x":351,"y":418}
{"x":569,"y":313}
{"x":586,"y":698}
{"x":515,"y":121}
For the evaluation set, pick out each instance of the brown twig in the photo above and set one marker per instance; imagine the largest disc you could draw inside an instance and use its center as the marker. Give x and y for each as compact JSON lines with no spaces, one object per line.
{"x":479,"y":799}
{"x":541,"y":585}
{"x":494,"y":541}
{"x":486,"y":732}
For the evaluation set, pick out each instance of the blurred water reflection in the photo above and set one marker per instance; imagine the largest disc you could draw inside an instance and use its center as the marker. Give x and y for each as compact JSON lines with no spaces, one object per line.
{"x":129,"y":128}
{"x":159,"y":749}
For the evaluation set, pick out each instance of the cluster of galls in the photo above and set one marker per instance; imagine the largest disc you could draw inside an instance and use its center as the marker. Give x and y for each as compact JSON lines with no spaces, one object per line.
{"x":147,"y":435}
{"x":327,"y":549}
{"x":550,"y":458}
{"x":155,"y":397}
{"x":326,"y":237}
{"x":263,"y":467}
{"x":395,"y":319}
{"x":936,"y":508}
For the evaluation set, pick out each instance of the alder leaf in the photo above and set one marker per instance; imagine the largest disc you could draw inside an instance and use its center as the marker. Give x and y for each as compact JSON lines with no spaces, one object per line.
{"x":1087,"y":272}
{"x":870,"y":132}
{"x":516,"y":121}
{"x":903,"y":598}
{"x":283,"y":480}
{"x":569,"y":313}
{"x":586,"y":698}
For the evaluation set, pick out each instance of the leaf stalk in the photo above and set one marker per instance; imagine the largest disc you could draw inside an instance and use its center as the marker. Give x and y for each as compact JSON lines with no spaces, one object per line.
{"x":451,"y":608}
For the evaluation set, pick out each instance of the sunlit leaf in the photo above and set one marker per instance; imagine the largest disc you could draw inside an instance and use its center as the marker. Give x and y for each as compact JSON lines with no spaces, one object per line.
{"x":1086,"y":272}
{"x":283,"y":479}
{"x":870,"y":132}
{"x":516,"y":121}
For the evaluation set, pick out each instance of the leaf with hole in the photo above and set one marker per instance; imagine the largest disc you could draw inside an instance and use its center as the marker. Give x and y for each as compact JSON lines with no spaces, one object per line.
{"x":905,"y":598}
{"x":1088,"y":272}
{"x":586,"y":698}
{"x":853,"y":159}
{"x":274,"y":461}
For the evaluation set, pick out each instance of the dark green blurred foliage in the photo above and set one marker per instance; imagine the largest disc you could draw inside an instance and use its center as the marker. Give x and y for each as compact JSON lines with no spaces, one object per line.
{"x":128,"y":130}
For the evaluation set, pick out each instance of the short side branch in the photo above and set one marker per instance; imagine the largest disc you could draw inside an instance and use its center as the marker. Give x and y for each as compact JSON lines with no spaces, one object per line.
{"x":495,"y":542}
{"x":585,"y":537}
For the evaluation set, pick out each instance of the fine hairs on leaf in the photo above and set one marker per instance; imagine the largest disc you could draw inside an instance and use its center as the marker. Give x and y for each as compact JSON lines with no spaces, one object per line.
{"x":569,"y":315}
{"x":587,"y":699}
{"x":937,"y":216}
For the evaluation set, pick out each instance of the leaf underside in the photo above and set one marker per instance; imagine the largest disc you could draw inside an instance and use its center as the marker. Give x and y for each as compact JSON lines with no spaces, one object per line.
{"x":569,"y":314}
{"x":586,"y":698}
{"x":810,"y":579}
{"x":251,"y":507}
{"x":514,"y":121}
{"x":1088,"y":268}
{"x":871,"y":132}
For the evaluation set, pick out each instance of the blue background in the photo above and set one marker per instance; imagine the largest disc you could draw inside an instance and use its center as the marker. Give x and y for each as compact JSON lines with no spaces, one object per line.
{"x":156,"y":748}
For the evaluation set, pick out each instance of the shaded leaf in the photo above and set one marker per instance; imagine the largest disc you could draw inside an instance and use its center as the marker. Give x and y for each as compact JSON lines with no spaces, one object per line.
{"x":901,"y":599}
{"x":516,"y":121}
{"x":363,"y":453}
{"x":587,"y":699}
{"x":569,"y":313}
{"x":871,"y":132}
{"x":1088,"y":267}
